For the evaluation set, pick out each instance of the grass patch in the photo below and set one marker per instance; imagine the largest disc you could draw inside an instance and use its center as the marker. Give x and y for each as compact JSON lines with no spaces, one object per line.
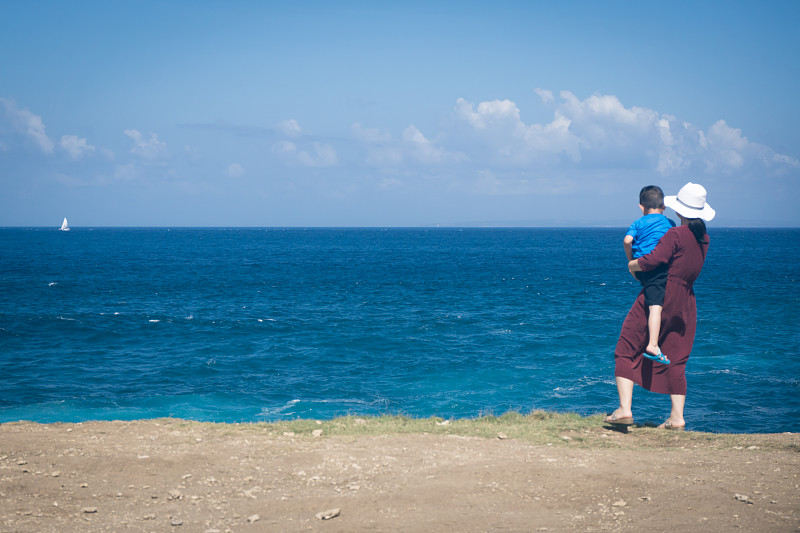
{"x":537,"y":427}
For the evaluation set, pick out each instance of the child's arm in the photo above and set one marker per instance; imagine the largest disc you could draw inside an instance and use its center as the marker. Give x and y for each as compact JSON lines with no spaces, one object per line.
{"x":628,"y":244}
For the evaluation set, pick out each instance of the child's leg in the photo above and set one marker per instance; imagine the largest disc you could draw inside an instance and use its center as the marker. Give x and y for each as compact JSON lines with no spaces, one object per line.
{"x":654,"y":327}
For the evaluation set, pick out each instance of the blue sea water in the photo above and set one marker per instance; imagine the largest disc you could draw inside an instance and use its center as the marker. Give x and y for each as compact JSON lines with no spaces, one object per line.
{"x":269,"y":324}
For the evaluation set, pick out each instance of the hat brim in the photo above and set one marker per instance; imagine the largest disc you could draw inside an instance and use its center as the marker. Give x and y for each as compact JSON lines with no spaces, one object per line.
{"x":706,"y":213}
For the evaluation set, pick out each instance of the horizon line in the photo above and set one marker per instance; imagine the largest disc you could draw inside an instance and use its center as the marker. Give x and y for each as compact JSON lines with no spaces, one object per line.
{"x":428,"y":226}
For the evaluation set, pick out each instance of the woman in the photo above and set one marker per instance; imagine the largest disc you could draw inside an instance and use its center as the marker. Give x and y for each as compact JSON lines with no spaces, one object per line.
{"x":683,"y":249}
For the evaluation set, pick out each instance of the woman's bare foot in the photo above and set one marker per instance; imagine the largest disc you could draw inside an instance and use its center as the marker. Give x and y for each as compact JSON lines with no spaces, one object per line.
{"x":672,"y":424}
{"x":620,"y":417}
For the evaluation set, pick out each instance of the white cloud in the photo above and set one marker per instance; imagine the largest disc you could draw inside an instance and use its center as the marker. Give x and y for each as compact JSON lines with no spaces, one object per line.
{"x":284,"y":148}
{"x":290,"y":128}
{"x":323,"y":155}
{"x":28,"y":125}
{"x":599,"y":133}
{"x":496,"y":112}
{"x":149,"y":149}
{"x":424,"y":151}
{"x":383,"y":150}
{"x":316,"y":155}
{"x":499,"y":136}
{"x":725,"y":146}
{"x":74,"y":146}
{"x":370,"y":135}
{"x":545,"y":95}
{"x":234,"y":170}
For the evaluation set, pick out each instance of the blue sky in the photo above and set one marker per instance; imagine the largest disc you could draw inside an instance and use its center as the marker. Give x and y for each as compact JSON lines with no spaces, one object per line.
{"x":410,"y":114}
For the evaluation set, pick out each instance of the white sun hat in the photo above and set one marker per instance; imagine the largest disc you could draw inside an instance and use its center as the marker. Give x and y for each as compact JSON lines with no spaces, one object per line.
{"x":690,"y":202}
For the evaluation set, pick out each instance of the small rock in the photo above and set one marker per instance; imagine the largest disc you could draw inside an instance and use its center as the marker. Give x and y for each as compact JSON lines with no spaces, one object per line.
{"x":89,"y":510}
{"x":620,"y":503}
{"x":149,"y":517}
{"x":56,"y":473}
{"x":330,"y":513}
{"x":250,"y":493}
{"x":22,"y":462}
{"x":566,"y":437}
{"x":176,"y":522}
{"x":443,"y":423}
{"x":502,"y":436}
{"x":186,"y":476}
{"x":743,"y":498}
{"x":645,"y":498}
{"x":84,"y":485}
{"x":753,"y":448}
{"x":175,"y":495}
{"x":253,"y":518}
{"x":288,"y":433}
{"x":359,"y":421}
{"x":317,"y":433}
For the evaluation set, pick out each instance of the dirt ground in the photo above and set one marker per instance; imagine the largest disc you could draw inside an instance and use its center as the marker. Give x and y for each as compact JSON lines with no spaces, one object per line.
{"x":165,"y":475}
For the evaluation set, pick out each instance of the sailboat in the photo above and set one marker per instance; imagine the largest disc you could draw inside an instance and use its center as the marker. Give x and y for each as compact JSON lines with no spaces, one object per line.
{"x":64,"y":226}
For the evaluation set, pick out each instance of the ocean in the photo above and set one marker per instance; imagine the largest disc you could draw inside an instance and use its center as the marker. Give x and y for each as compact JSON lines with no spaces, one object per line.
{"x":252,"y":325}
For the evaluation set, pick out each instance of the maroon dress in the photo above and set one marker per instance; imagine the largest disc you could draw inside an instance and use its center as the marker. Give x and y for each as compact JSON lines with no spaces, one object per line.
{"x":680,"y":251}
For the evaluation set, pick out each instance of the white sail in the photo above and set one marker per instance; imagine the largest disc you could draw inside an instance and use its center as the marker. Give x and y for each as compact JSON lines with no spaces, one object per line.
{"x":64,"y":226}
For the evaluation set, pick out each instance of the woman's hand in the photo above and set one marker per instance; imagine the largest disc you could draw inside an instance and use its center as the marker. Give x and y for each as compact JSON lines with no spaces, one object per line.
{"x":633,"y":266}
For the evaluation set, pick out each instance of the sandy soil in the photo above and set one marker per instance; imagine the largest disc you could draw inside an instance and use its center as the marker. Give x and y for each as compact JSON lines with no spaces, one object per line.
{"x":165,"y":475}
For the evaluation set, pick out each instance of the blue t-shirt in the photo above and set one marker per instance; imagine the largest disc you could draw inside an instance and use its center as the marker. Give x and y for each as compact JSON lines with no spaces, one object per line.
{"x":647,"y":231}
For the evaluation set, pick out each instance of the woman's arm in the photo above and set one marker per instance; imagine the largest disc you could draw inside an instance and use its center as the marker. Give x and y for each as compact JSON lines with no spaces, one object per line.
{"x":660,"y":255}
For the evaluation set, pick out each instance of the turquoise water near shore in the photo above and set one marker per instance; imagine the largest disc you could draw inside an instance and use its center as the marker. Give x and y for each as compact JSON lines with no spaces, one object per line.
{"x":267,"y":324}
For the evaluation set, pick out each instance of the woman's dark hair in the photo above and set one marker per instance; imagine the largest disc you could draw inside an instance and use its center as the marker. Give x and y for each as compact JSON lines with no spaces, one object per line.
{"x":698,"y":228}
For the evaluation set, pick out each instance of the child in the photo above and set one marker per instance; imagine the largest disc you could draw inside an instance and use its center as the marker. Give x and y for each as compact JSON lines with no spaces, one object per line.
{"x":642,"y":237}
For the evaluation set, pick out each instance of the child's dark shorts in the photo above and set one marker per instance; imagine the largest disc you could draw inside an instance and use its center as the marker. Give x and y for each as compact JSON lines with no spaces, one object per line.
{"x":654,"y":283}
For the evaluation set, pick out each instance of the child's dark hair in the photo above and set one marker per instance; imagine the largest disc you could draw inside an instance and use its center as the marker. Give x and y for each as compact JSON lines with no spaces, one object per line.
{"x":651,"y":197}
{"x":698,"y":228}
